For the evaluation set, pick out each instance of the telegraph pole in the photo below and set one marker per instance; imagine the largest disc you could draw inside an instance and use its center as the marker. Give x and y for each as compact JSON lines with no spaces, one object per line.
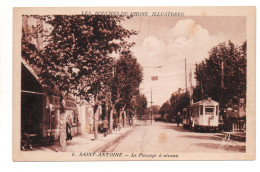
{"x":191,"y":88}
{"x":151,"y":105}
{"x":221,"y":106}
{"x":222,"y":74}
{"x":185,"y":76}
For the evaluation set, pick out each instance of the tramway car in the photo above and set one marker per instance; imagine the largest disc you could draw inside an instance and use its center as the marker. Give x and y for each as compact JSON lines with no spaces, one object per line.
{"x":202,"y":115}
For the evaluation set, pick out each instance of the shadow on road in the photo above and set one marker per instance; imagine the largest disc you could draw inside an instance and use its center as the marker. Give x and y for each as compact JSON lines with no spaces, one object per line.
{"x":215,"y":146}
{"x":203,"y":137}
{"x":209,"y":145}
{"x":179,"y":129}
{"x":72,"y":143}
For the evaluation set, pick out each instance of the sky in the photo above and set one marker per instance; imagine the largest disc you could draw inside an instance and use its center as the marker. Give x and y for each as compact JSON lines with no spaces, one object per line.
{"x":163,"y":43}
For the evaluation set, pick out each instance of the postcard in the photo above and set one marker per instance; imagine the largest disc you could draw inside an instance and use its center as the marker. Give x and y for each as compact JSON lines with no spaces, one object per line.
{"x":134,"y":83}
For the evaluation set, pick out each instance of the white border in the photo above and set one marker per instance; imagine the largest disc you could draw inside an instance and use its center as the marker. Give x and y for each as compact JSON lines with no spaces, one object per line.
{"x":6,"y":95}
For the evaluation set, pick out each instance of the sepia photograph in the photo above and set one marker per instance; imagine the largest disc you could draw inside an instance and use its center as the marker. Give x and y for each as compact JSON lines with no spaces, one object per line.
{"x":134,"y":84}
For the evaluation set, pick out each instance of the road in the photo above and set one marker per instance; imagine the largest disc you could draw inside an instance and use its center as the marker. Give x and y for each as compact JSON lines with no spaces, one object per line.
{"x":167,"y":137}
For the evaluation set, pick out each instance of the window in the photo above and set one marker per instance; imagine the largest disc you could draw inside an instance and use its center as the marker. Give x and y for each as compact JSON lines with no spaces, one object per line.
{"x":201,"y":110}
{"x":195,"y":111}
{"x":209,"y":110}
{"x":217,"y":110}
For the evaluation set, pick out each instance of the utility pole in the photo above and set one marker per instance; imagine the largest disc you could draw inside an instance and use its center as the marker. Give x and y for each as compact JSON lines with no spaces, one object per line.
{"x":151,"y":105}
{"x":222,"y":74}
{"x":185,"y":76}
{"x":191,"y":88}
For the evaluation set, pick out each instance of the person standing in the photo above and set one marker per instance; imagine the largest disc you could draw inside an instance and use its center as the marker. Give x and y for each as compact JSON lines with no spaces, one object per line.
{"x":115,"y":123}
{"x":191,"y":123}
{"x":178,"y":119}
{"x":105,"y":127}
{"x":68,"y":131}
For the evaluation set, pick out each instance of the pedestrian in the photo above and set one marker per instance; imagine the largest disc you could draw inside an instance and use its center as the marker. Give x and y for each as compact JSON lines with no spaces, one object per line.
{"x":115,"y":123}
{"x":105,"y":127}
{"x":178,"y":119}
{"x":191,"y":123}
{"x":68,"y":131}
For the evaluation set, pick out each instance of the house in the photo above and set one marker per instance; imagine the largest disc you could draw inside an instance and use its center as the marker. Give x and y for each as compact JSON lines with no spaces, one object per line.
{"x":40,"y":107}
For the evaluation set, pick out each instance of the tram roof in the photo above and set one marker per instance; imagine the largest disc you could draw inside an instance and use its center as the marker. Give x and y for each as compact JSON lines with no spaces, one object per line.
{"x":205,"y":102}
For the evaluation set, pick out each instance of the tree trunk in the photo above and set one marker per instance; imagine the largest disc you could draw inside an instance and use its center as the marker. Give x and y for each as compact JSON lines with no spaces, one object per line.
{"x":121,"y":113}
{"x":124,"y":121}
{"x":120,"y":118}
{"x":62,"y":130}
{"x":95,"y":116}
{"x":111,"y":119}
{"x":62,"y":124}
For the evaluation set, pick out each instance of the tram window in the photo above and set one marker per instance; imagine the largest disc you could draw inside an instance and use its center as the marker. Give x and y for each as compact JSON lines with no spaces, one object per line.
{"x":201,"y":110}
{"x":209,"y":109}
{"x":217,"y":110}
{"x":196,"y":111}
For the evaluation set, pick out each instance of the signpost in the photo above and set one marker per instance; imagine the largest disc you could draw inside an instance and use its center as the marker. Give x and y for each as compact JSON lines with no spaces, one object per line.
{"x":154,"y":78}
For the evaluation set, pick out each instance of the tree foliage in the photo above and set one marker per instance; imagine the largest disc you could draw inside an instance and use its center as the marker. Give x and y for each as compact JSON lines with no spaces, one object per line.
{"x":127,"y":78}
{"x":77,"y":55}
{"x":178,"y":102}
{"x":141,"y":105}
{"x":165,"y":108}
{"x":208,"y":74}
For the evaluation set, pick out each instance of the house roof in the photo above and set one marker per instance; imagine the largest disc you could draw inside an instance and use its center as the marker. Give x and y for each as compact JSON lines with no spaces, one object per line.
{"x":34,"y":72}
{"x":206,"y":102}
{"x":28,"y":67}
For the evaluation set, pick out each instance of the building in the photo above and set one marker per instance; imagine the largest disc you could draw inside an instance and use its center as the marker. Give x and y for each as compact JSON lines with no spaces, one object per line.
{"x":40,"y":107}
{"x":86,"y":117}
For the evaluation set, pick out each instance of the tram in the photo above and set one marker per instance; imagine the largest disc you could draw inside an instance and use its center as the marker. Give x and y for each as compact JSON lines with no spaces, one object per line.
{"x":202,"y":115}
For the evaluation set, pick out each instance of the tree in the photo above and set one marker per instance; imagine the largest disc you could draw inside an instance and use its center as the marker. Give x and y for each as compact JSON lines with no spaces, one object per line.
{"x":141,"y":105}
{"x":178,"y":102}
{"x":222,"y":84}
{"x":77,"y":56}
{"x":165,"y":109}
{"x":125,"y":83}
{"x":154,"y":109}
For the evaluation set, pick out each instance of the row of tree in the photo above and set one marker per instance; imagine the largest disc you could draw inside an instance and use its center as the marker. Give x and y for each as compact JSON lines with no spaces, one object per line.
{"x":170,"y":109}
{"x":221,"y":76}
{"x":77,"y":59}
